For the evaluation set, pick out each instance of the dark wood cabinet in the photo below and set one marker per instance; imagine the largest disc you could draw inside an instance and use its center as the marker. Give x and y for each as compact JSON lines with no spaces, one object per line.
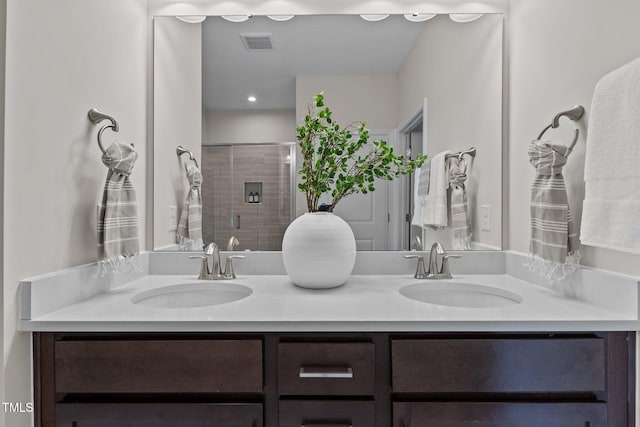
{"x":159,"y":415}
{"x":499,"y":365}
{"x":157,"y":366}
{"x":335,"y":379}
{"x":326,"y":413}
{"x":499,"y":414}
{"x":326,"y":368}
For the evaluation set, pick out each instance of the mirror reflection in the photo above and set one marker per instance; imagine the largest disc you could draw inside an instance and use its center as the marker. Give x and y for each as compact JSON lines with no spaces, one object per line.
{"x":232,"y":93}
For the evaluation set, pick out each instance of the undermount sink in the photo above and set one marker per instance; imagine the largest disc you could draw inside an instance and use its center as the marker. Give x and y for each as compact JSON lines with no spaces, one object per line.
{"x":459,"y":294}
{"x":192,"y":295}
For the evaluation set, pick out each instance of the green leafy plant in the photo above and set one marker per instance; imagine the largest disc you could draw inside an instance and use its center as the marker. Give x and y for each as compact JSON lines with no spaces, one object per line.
{"x":335,"y":162}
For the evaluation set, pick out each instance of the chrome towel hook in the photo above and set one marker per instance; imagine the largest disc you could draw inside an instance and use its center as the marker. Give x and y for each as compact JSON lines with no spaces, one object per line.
{"x":575,"y":114}
{"x":180,"y":150}
{"x":96,"y":117}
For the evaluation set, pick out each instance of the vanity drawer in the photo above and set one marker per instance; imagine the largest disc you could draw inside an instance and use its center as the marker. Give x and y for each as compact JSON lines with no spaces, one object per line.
{"x":159,"y":414}
{"x":319,"y":413}
{"x":326,"y":369}
{"x":542,"y":365}
{"x":155,"y":366}
{"x":500,"y":414}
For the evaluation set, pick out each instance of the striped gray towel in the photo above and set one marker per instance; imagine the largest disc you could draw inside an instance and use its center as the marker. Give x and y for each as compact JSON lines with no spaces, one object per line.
{"x":118,"y":218}
{"x":459,"y":211}
{"x":554,"y":247}
{"x":189,"y":234}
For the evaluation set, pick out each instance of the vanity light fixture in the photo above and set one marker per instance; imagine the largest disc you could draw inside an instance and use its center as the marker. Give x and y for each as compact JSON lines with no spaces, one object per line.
{"x":419,"y":17}
{"x":252,"y":98}
{"x":280,"y":18}
{"x":465,"y":17}
{"x":374,"y":17}
{"x":192,"y":19}
{"x":236,"y":18}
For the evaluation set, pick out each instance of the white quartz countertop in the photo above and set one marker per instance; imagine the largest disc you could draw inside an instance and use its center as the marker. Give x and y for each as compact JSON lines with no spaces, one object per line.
{"x":365,"y":303}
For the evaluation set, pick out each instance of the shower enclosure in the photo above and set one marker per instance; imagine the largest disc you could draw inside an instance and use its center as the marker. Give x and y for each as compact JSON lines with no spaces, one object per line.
{"x":248,"y":193}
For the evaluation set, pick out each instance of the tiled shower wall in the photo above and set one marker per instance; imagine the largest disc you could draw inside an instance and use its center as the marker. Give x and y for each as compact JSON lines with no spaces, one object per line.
{"x":226,"y":168}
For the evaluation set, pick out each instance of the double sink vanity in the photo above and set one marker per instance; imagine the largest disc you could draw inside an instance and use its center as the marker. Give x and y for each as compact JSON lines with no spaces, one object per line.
{"x":488,"y":347}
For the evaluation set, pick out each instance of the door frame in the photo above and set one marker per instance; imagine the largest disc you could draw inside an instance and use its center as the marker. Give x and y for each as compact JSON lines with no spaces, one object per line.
{"x":404,"y":191}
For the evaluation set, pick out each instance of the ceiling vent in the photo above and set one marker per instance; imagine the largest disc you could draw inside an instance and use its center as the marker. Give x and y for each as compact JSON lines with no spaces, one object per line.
{"x":257,"y":41}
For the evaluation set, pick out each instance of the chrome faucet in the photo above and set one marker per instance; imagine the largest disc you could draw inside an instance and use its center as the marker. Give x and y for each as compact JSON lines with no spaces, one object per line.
{"x":433,"y":272}
{"x":233,"y":242}
{"x":215,"y":272}
{"x":416,"y":243}
{"x":212,"y":249}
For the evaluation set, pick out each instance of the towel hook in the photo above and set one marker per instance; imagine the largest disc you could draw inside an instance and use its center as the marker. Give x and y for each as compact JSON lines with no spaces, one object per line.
{"x":95,"y":116}
{"x":471,"y":151}
{"x":180,"y":150}
{"x":575,"y":113}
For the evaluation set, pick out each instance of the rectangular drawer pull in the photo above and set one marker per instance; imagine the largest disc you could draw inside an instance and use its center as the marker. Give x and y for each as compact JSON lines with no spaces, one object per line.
{"x":325,"y":373}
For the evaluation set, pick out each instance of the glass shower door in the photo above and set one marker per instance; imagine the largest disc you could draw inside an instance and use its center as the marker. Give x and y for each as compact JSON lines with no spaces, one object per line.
{"x":251,"y":195}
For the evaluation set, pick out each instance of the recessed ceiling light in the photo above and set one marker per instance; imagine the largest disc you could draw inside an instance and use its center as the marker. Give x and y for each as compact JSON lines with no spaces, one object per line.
{"x":374,"y":17}
{"x":251,"y":98}
{"x":280,"y":17}
{"x":235,"y":18}
{"x":192,"y":19}
{"x":419,"y":17}
{"x":465,"y":17}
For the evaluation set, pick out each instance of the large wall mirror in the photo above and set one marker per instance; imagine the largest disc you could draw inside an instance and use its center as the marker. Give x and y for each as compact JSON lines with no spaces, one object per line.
{"x":232,"y":93}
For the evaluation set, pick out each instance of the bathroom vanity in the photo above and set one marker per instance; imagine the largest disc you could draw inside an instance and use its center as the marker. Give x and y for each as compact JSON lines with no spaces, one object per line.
{"x":334,"y":379}
{"x":360,"y":355}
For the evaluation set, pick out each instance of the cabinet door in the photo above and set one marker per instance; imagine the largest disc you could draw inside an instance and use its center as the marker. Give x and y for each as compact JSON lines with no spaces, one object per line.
{"x":323,"y":413}
{"x":558,"y":365}
{"x":159,"y":415}
{"x":159,"y":366}
{"x":320,"y":369}
{"x":488,"y":414}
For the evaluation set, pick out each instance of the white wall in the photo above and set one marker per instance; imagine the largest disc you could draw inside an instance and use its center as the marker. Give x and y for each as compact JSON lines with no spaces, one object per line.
{"x":63,"y":58}
{"x":351,"y":99}
{"x":558,"y":51}
{"x":3,"y":44}
{"x":372,"y":98}
{"x":458,"y":68}
{"x":248,"y":126}
{"x":177,"y":116}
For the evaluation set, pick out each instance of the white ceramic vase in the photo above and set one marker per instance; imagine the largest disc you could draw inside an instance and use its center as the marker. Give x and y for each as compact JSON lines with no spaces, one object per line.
{"x":319,"y":250}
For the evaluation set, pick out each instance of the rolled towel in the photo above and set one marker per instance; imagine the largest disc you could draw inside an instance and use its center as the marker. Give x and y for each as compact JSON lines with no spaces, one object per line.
{"x":189,"y":234}
{"x":118,"y":244}
{"x":554,"y":247}
{"x":460,"y":220}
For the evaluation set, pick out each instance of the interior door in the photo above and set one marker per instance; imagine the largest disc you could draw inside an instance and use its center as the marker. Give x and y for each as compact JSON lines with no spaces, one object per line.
{"x":368,"y":214}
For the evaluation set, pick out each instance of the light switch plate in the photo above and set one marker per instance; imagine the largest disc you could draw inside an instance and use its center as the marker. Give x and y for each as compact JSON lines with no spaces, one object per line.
{"x":173,"y":218}
{"x":485,"y":217}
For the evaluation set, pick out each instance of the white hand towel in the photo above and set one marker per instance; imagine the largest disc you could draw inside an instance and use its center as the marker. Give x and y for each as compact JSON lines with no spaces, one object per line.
{"x":420,"y":190}
{"x":611,"y":210}
{"x":434,"y":204}
{"x":416,"y":218}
